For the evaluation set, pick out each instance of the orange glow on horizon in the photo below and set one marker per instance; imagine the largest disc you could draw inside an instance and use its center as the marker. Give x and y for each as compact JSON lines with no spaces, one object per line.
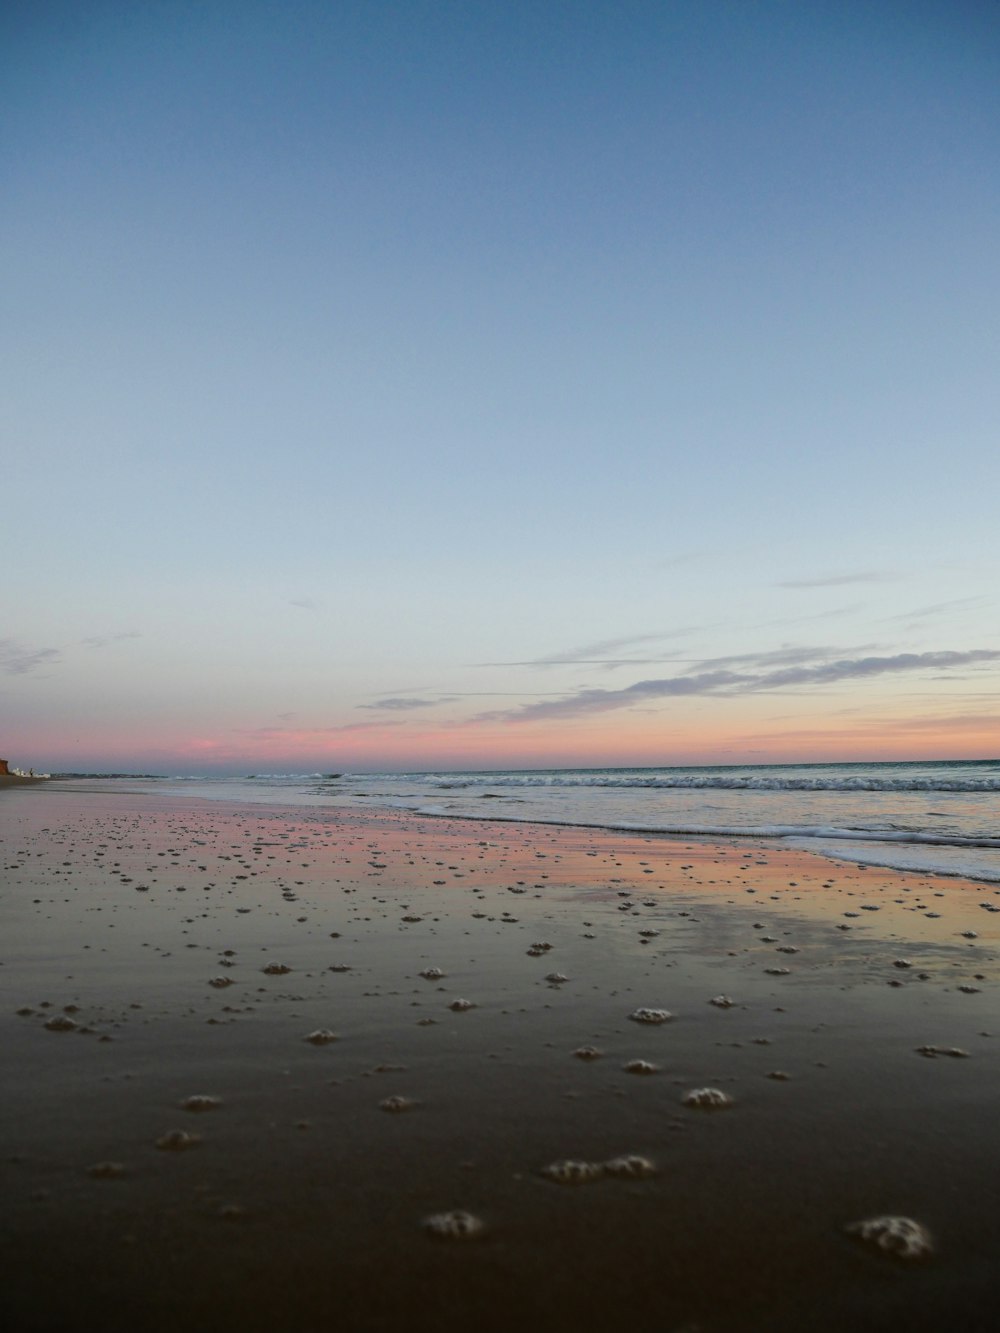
{"x":607,"y":740}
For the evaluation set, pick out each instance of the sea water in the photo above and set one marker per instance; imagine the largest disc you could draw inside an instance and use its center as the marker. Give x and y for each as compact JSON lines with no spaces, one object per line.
{"x":942,"y":817}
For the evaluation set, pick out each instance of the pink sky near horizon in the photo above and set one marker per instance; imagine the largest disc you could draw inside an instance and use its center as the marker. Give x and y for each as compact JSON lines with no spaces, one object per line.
{"x":618,"y":741}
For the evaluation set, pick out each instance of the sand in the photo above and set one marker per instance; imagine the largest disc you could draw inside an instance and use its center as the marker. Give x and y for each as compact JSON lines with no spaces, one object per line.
{"x":295,"y":1070}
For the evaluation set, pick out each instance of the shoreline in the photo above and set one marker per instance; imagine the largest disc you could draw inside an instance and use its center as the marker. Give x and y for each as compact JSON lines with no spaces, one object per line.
{"x":302,"y":1205}
{"x":886,"y":850}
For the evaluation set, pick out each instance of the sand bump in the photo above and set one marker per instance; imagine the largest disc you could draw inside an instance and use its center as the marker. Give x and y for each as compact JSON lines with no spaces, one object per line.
{"x":456,"y":1225}
{"x":588,"y":1053}
{"x":900,"y":1237}
{"x":177,"y":1140}
{"x":106,"y":1170}
{"x":570,"y":1171}
{"x":707,"y":1099}
{"x":651,"y":1016}
{"x":396,"y":1104}
{"x":630,"y":1167}
{"x":60,"y":1023}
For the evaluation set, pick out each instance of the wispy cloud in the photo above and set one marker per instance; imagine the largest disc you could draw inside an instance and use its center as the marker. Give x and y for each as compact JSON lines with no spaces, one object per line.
{"x":603,"y":652}
{"x":403,"y":705}
{"x":938,"y":608}
{"x":506,"y":694}
{"x":977,"y":724}
{"x":16,"y":660}
{"x":787,"y":656}
{"x":103,"y":640}
{"x":833,"y":613}
{"x":606,"y":647}
{"x":684,"y":558}
{"x":311,"y":733}
{"x":304,"y":603}
{"x":721,"y":681}
{"x":839,"y":580}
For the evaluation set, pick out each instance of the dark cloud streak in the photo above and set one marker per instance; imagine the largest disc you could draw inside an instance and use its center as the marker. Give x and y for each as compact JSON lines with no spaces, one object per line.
{"x":16,"y":660}
{"x":402,"y":705}
{"x":722,"y":682}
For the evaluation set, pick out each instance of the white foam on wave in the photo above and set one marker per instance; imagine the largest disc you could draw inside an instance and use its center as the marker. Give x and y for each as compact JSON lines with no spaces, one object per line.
{"x":961,"y":862}
{"x":957,"y":778}
{"x":726,"y":830}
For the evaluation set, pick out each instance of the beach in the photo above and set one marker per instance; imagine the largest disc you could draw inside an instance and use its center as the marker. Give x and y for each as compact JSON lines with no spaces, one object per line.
{"x":254,"y":1054}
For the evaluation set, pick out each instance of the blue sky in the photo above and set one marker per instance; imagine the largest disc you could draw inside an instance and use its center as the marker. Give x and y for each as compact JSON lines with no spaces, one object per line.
{"x":366,"y":352}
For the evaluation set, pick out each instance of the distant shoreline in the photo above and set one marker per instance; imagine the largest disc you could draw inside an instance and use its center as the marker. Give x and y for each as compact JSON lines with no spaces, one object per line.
{"x":365,"y":1037}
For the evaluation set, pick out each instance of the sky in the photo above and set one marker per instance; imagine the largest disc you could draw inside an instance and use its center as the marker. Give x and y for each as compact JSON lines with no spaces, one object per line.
{"x":430,"y":385}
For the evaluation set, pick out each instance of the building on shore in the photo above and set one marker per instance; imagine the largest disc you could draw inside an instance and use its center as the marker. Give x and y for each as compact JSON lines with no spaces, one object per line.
{"x":17,"y":773}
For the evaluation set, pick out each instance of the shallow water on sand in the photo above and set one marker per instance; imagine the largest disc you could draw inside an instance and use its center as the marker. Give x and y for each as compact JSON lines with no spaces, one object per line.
{"x":942,"y":817}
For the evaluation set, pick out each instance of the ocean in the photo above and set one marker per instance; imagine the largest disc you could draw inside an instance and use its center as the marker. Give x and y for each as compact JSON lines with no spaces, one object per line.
{"x":940,"y":817}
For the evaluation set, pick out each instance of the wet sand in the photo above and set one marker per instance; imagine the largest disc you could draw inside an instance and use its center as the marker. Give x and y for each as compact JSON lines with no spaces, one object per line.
{"x":161,"y":950}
